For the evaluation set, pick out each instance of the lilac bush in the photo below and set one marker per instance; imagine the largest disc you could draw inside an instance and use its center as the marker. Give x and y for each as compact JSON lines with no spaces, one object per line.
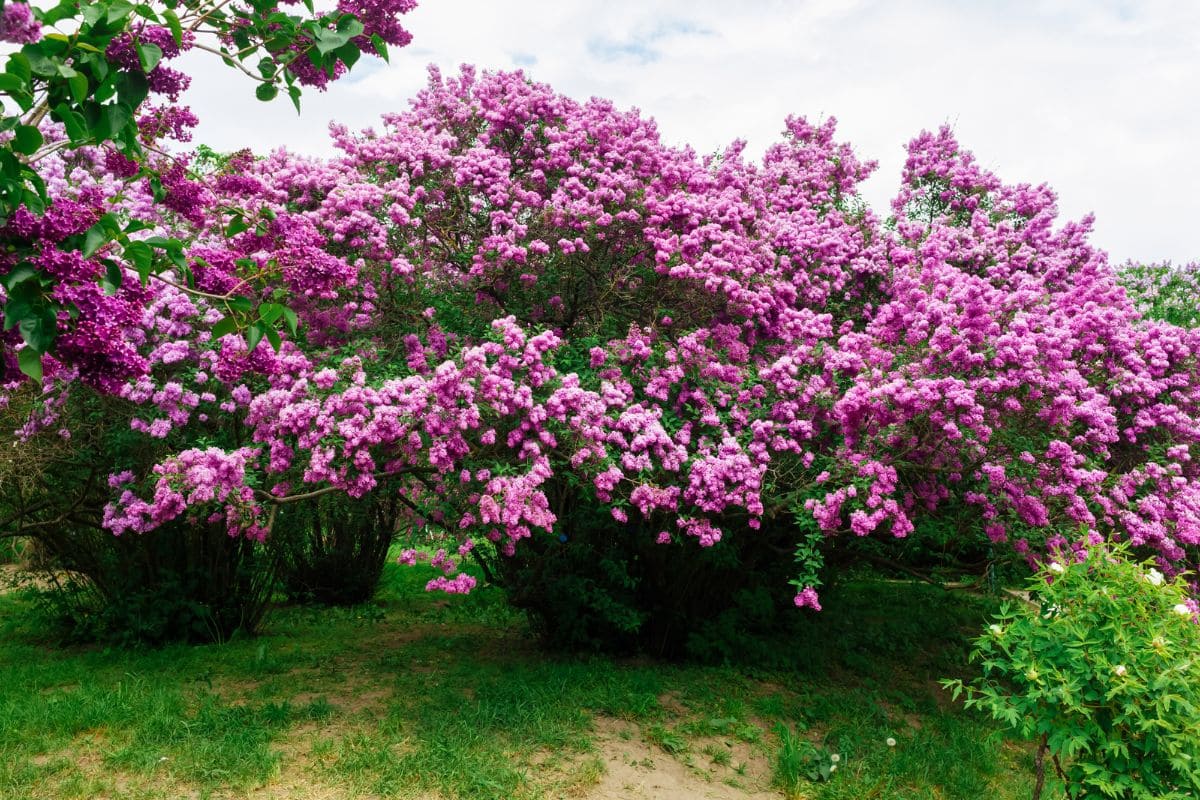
{"x":502,"y":296}
{"x":95,"y":293}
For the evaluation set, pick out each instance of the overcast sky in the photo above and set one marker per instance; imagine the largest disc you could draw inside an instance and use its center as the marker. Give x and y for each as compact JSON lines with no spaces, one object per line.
{"x":1098,"y":98}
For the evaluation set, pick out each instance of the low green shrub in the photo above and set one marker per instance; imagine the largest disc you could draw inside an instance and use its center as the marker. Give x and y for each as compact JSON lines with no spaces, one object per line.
{"x":190,"y":582}
{"x":1103,"y":672}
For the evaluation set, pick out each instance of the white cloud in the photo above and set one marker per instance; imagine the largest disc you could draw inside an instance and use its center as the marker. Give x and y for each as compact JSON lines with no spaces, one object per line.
{"x":1094,"y":97}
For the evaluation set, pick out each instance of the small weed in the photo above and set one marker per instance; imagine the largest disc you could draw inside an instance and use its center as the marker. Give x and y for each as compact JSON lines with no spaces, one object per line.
{"x":667,"y":739}
{"x":800,"y":762}
{"x":750,"y":734}
{"x":720,"y":756}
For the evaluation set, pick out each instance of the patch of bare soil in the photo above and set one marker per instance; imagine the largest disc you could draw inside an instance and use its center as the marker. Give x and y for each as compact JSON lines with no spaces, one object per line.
{"x":714,"y":768}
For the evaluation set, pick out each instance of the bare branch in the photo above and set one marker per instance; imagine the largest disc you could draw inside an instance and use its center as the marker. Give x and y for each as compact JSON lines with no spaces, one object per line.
{"x":296,"y":498}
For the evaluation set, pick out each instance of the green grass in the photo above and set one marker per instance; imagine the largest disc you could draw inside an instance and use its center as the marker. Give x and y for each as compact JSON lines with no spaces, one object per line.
{"x":421,"y":695}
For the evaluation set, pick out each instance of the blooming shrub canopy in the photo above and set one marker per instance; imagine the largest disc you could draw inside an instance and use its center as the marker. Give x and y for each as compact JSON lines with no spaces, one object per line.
{"x":502,"y":291}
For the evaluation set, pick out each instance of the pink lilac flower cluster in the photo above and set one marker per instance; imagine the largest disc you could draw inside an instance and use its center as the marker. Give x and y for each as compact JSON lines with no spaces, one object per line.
{"x":17,"y":24}
{"x":191,"y":480}
{"x":503,"y":287}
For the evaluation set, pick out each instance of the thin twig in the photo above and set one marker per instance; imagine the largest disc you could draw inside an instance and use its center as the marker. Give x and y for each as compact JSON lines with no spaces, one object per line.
{"x":236,"y":62}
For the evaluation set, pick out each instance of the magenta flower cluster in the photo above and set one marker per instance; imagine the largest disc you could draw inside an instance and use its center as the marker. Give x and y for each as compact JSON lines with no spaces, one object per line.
{"x":17,"y":24}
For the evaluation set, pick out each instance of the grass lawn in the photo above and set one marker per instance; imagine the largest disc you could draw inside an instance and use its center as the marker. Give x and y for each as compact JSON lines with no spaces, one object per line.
{"x":426,"y":696}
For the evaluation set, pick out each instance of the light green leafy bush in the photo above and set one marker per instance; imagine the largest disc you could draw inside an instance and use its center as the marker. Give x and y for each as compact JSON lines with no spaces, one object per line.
{"x":1102,"y":670}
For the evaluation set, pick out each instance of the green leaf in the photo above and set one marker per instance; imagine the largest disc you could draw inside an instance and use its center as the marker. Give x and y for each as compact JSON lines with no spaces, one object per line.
{"x":269,"y":312}
{"x":113,"y":120}
{"x":350,"y":25}
{"x":19,"y":274}
{"x":237,"y":225}
{"x":18,"y":65}
{"x":119,"y":10}
{"x":291,"y":319}
{"x":27,"y":139}
{"x":177,"y":258}
{"x":131,"y":87}
{"x":141,"y":256}
{"x":30,"y":362}
{"x":173,"y":23}
{"x":79,"y":87}
{"x":13,"y":83}
{"x":349,"y":54}
{"x":114,"y":276}
{"x":273,"y":337}
{"x":21,"y":305}
{"x":254,"y":335}
{"x":266,"y":92}
{"x":95,"y":238}
{"x":381,"y":48}
{"x":92,"y":12}
{"x":327,"y":41}
{"x":40,"y":330}
{"x":226,"y":326}
{"x":64,"y":10}
{"x":149,"y":55}
{"x":99,"y":66}
{"x":240,"y":303}
{"x":39,"y":62}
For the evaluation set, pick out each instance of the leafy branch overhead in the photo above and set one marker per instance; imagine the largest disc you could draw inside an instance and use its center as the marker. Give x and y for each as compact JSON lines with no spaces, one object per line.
{"x":97,"y":74}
